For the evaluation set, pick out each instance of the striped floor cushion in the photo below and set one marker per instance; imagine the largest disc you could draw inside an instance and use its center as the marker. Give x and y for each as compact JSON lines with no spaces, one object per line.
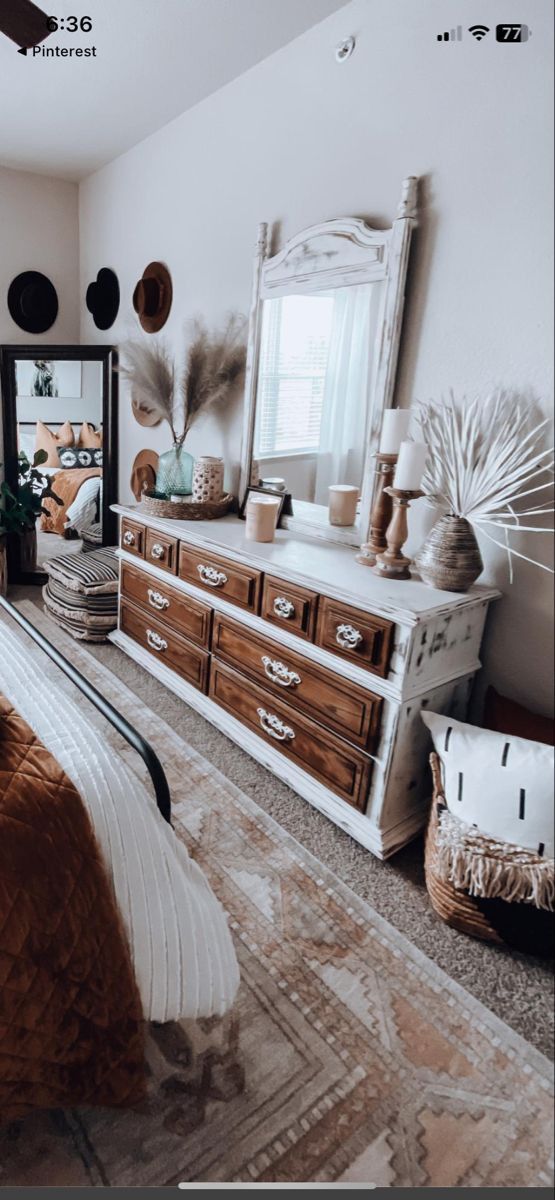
{"x":79,"y":618}
{"x":81,"y":632}
{"x":104,"y":604}
{"x":93,"y":574}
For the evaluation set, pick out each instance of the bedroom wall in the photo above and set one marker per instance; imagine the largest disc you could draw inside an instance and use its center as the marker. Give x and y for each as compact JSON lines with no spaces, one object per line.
{"x":39,"y":230}
{"x":299,"y":139}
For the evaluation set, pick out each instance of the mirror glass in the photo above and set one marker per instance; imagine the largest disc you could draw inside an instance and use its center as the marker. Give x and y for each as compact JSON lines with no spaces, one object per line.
{"x":314,"y":383}
{"x":59,"y":411}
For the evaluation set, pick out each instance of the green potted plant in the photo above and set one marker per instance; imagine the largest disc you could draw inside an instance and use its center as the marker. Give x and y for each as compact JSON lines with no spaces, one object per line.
{"x":19,"y":512}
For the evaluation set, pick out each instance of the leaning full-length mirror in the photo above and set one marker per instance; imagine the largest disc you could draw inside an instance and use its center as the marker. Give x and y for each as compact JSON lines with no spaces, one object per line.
{"x":323,"y":343}
{"x":60,"y":450}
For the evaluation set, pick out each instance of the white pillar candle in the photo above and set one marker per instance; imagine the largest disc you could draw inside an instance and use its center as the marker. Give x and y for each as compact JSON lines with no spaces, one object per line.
{"x":261,"y":517}
{"x":394,"y":428}
{"x":343,"y":498}
{"x":410,"y":466}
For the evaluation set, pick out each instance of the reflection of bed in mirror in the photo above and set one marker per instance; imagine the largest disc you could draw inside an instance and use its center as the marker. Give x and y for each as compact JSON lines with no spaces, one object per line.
{"x":60,"y":401}
{"x":59,"y":411}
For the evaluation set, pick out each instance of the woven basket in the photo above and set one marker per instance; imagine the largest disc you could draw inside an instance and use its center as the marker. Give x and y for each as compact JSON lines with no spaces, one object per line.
{"x":521,"y":926}
{"x":455,"y":907}
{"x":185,"y":510}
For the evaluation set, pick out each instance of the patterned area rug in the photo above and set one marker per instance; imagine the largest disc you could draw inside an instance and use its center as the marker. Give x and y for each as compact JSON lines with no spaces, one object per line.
{"x":349,"y":1055}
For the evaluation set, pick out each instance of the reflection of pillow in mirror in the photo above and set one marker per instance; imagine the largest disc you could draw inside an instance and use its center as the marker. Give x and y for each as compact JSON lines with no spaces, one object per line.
{"x":51,"y":442}
{"x":77,"y":458}
{"x":89,"y":436}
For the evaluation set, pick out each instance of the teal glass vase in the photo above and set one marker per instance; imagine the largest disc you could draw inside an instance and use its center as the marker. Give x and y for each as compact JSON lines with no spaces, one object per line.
{"x":175,"y":473}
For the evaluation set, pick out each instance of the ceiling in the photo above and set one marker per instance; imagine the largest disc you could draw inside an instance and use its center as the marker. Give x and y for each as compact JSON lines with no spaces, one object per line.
{"x":66,"y":116}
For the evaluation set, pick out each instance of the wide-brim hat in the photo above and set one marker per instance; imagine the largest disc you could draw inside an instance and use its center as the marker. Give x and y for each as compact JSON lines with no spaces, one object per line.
{"x":33,"y":301}
{"x":143,"y":472}
{"x":152,"y":298}
{"x":102,"y":298}
{"x":144,"y":414}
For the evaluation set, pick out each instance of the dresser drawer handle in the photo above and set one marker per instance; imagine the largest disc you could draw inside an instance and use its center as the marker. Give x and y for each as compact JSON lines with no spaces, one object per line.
{"x":348,"y":637}
{"x":157,"y":551}
{"x":157,"y":600}
{"x":128,"y":538}
{"x":279,"y":673}
{"x":155,"y":641}
{"x":275,"y":728}
{"x":284,"y":608}
{"x":211,"y":576}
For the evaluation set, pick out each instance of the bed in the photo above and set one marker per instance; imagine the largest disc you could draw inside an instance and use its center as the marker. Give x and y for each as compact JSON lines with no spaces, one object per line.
{"x":80,"y":490}
{"x":175,"y":936}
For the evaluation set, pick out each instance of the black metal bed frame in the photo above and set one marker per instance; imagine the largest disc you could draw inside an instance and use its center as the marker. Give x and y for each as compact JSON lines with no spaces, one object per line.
{"x":127,"y":731}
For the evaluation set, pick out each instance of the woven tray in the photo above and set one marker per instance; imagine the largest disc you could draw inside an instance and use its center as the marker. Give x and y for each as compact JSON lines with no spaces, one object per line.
{"x":185,"y":510}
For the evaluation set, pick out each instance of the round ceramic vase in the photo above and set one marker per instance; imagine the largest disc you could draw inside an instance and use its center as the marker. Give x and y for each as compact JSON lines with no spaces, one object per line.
{"x":208,"y":478}
{"x":450,"y":557}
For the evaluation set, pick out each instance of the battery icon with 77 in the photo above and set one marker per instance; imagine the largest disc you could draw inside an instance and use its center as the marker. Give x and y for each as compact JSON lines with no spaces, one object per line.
{"x":512,"y":33}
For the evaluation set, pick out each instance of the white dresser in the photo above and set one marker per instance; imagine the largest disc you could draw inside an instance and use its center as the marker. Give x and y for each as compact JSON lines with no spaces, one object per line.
{"x":309,"y":661}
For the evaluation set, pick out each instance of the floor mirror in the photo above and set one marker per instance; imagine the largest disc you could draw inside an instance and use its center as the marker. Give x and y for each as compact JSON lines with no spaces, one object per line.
{"x":59,"y":413}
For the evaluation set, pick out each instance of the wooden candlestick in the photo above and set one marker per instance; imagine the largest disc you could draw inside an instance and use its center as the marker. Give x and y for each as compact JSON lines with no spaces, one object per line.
{"x":391,"y":564}
{"x":382,"y":510}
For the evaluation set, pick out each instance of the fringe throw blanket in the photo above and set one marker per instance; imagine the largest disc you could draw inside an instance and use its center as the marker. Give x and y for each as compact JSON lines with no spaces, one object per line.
{"x":65,"y":485}
{"x":484,"y":866}
{"x":71,"y":1030}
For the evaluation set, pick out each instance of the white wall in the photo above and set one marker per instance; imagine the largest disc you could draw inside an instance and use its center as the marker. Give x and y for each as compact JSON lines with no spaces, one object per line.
{"x":39,"y":231}
{"x":299,"y":139}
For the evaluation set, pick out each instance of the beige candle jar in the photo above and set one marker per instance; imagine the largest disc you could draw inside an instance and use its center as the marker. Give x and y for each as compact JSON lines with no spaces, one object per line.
{"x":261,"y":518}
{"x":208,"y":478}
{"x":343,"y":500}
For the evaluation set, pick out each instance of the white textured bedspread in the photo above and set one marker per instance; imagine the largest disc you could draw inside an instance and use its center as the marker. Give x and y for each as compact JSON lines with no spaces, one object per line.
{"x":178,"y":935}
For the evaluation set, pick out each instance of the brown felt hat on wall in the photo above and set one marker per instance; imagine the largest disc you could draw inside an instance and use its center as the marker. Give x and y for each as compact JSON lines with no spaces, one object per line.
{"x":152,"y":298}
{"x":143,"y":472}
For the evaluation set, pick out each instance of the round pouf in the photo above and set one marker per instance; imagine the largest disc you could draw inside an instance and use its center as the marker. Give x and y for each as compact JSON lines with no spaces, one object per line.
{"x":208,"y":478}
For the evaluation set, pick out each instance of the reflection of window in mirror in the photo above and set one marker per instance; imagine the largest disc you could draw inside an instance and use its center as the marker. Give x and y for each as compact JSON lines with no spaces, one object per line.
{"x":313,"y":387}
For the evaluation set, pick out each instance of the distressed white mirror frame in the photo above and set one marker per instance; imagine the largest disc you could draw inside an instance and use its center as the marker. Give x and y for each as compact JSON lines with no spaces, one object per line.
{"x":331,"y":255}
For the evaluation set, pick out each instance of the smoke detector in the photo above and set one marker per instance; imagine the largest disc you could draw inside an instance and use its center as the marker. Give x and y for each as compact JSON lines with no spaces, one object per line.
{"x":344,"y":49}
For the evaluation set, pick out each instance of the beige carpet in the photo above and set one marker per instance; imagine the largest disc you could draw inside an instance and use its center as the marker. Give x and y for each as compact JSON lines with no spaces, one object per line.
{"x":349,"y":1055}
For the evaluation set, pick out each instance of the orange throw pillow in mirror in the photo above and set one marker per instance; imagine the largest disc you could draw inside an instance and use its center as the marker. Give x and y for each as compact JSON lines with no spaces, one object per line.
{"x":89,"y":437}
{"x":46,"y":440}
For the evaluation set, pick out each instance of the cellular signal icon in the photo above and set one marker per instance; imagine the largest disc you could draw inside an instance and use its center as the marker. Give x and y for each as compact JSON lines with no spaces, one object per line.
{"x":452,"y":35}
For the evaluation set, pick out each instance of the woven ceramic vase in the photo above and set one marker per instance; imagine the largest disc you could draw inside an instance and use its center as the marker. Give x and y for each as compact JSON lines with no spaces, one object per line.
{"x":450,"y":557}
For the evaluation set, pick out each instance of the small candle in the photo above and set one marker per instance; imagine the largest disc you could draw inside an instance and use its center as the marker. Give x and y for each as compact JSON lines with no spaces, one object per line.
{"x":394,"y":428}
{"x":410,"y":466}
{"x":343,"y":499}
{"x":261,"y":518}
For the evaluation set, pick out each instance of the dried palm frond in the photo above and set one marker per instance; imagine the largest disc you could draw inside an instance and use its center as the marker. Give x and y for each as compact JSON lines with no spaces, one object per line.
{"x":214,"y":364}
{"x":485,"y":457}
{"x":150,"y":371}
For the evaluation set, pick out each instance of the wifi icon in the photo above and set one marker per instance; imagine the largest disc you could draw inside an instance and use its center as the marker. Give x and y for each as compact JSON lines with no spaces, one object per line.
{"x":478,"y":31}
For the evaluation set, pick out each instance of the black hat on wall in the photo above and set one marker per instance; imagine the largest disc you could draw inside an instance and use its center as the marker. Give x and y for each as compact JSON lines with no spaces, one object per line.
{"x":33,"y":301}
{"x":102,"y":298}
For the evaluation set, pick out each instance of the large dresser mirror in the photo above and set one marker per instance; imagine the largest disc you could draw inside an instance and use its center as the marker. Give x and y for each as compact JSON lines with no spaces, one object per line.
{"x":323,"y":344}
{"x":60,"y":401}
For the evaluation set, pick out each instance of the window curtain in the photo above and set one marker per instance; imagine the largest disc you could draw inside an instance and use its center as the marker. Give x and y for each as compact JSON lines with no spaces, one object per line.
{"x":345,"y":416}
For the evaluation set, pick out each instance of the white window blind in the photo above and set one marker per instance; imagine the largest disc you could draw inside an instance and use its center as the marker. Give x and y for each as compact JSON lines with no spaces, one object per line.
{"x":295,"y":342}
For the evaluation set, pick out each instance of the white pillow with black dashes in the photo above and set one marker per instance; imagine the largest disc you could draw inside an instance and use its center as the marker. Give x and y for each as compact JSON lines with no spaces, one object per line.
{"x":501,"y":784}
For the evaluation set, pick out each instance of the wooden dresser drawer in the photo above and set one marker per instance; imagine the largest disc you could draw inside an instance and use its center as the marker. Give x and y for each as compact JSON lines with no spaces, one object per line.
{"x":161,"y":549}
{"x":174,"y":651}
{"x":354,"y":634}
{"x":290,"y":606}
{"x":341,"y":767}
{"x":343,"y":706}
{"x":187,"y":616}
{"x":132,"y":537}
{"x":235,"y":582}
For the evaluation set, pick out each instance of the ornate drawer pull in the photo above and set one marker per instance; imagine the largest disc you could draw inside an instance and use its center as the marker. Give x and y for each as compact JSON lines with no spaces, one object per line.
{"x":284,"y":608}
{"x":279,"y":673}
{"x":348,"y":637}
{"x":128,"y":538}
{"x":155,"y":641}
{"x":211,"y":576}
{"x":157,"y":600}
{"x":157,"y":551}
{"x":274,"y":727}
